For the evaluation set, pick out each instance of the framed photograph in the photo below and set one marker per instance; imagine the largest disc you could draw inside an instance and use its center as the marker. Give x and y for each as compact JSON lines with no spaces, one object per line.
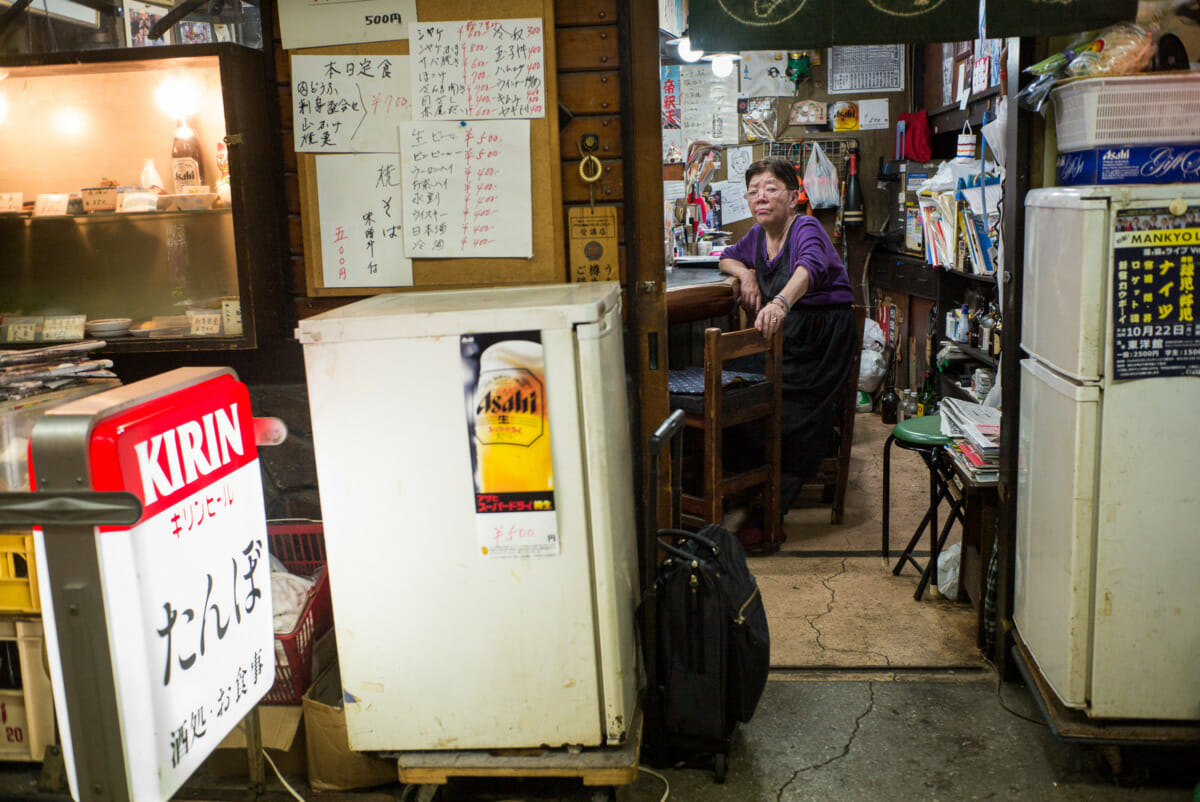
{"x":195,"y":33}
{"x":139,"y":19}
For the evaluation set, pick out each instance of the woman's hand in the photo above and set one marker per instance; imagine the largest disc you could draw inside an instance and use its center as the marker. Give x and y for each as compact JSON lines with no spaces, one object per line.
{"x":770,"y":319}
{"x":751,"y":297}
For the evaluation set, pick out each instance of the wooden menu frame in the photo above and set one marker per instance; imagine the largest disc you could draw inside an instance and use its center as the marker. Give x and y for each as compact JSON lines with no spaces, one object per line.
{"x":548,"y":264}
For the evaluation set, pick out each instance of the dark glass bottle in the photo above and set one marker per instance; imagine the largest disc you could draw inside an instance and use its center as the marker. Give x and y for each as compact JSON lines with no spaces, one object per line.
{"x":925,"y":399}
{"x":889,"y":404}
{"x":852,"y":213}
{"x":185,"y":159}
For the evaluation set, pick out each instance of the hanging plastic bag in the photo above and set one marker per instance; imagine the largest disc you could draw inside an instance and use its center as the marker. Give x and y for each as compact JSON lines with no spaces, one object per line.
{"x":871,"y":369}
{"x":821,"y":180}
{"x":948,"y":562}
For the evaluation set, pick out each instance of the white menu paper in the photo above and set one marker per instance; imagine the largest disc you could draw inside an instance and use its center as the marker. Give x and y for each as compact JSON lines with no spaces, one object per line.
{"x":315,"y":23}
{"x":362,"y":233}
{"x":349,"y":103}
{"x":709,"y":106}
{"x":467,"y":188}
{"x":478,"y":70}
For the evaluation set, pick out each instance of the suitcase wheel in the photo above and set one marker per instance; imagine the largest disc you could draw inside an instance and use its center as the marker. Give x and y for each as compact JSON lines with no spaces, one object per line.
{"x":720,"y":766}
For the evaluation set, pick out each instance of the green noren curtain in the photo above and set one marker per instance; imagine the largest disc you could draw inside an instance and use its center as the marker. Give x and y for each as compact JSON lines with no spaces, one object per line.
{"x":732,"y":25}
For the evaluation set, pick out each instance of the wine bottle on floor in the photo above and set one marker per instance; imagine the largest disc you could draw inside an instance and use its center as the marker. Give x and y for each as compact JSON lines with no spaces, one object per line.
{"x":889,"y":405}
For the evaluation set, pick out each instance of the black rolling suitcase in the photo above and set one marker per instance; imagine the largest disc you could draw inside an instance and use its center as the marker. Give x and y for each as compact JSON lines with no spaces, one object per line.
{"x":705,"y":640}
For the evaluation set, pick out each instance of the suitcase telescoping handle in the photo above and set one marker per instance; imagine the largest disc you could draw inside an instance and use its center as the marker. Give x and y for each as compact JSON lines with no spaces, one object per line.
{"x":667,"y":432}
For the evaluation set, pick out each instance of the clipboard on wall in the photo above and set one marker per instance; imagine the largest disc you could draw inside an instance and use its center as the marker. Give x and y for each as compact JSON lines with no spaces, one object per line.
{"x":548,"y":262}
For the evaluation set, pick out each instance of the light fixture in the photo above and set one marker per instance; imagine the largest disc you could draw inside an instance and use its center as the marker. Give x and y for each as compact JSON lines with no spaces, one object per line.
{"x":722,"y":63}
{"x":178,"y":97}
{"x":71,"y":122}
{"x":3,"y":108}
{"x":685,"y":50}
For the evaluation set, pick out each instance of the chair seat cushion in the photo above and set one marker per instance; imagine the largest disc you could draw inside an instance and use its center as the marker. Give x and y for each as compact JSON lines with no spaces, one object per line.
{"x":924,"y":431}
{"x":686,"y":388}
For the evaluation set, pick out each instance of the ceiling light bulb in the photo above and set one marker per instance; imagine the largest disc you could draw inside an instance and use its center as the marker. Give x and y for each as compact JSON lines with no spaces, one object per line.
{"x":3,"y":108}
{"x":71,"y":122}
{"x":722,"y":65}
{"x":685,"y":50}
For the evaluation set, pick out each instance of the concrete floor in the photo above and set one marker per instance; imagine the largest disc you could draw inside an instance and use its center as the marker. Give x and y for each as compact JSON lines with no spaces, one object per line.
{"x":873,"y":696}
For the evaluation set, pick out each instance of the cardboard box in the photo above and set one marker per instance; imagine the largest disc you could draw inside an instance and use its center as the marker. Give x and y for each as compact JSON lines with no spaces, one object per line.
{"x":282,"y":737}
{"x":332,"y":764}
{"x":1129,"y":164}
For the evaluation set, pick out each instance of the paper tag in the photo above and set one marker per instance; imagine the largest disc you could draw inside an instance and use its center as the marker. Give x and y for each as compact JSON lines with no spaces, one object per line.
{"x":21,"y":329}
{"x":980,"y":75}
{"x":47,"y":204}
{"x":593,"y":243}
{"x":11,"y":201}
{"x":231,"y":317}
{"x":205,"y":323}
{"x":63,"y":327}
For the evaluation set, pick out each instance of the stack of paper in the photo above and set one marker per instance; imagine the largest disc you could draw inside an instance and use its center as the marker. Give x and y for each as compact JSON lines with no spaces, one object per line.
{"x":975,"y":430}
{"x":40,"y":370}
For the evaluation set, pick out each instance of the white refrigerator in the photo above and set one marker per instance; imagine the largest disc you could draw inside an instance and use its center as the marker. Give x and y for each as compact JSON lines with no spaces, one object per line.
{"x":473,"y":455}
{"x":1107,"y":573}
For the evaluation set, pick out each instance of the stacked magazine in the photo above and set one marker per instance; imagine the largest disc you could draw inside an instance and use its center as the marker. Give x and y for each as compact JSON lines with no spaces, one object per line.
{"x":33,"y":371}
{"x":975,"y":430}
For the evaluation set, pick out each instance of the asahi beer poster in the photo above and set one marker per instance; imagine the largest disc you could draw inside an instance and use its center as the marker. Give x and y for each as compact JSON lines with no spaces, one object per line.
{"x":1154,"y":326}
{"x":505,"y":393}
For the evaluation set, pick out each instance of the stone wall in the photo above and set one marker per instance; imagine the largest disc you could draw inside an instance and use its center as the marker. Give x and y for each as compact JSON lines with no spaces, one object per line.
{"x":289,"y":471}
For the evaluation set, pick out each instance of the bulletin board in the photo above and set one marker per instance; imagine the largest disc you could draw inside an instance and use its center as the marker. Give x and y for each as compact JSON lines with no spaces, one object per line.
{"x":548,"y":264}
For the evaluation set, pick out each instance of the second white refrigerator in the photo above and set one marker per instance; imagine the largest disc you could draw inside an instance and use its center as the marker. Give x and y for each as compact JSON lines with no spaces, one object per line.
{"x":1108,"y":511}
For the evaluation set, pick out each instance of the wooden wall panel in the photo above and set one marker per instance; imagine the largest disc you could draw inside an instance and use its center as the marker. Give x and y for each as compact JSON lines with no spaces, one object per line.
{"x":608,"y":129}
{"x":587,"y":49}
{"x":590,"y":92}
{"x":568,"y":13}
{"x":610,"y":187}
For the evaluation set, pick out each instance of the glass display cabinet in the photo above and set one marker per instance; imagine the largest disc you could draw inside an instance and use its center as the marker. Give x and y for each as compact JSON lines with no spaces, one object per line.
{"x":140,"y":199}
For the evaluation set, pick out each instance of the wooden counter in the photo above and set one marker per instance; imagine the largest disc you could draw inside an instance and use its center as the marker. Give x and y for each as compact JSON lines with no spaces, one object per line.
{"x":699,"y":293}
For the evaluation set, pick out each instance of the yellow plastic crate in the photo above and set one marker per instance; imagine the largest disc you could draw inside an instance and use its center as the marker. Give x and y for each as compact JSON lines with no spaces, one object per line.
{"x":26,"y":702}
{"x":18,"y":575}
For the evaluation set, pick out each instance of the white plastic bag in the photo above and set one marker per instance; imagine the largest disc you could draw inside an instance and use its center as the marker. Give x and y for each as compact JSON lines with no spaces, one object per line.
{"x":873,"y":336}
{"x":948,"y":562}
{"x":821,"y":180}
{"x":871,"y":370}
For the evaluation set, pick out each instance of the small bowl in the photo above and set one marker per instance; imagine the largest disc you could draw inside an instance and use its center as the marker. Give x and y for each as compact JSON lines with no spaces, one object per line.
{"x":195,"y":201}
{"x":108,"y":327}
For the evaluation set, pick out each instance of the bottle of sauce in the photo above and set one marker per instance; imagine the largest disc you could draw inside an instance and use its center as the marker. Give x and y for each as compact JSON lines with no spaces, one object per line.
{"x":925,"y":399}
{"x":185,"y":159}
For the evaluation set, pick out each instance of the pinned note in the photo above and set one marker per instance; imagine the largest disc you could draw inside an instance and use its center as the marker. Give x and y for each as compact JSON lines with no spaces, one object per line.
{"x":314,"y":23}
{"x":349,"y":103}
{"x":467,"y":188}
{"x":362,"y":234}
{"x":478,"y":70}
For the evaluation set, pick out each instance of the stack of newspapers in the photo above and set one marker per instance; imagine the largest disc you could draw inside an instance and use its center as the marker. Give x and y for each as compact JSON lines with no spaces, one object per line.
{"x":30,"y":372}
{"x":975,"y":431}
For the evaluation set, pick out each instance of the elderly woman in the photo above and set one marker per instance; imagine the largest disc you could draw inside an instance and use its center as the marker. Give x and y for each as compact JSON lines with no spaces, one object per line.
{"x":792,"y":279}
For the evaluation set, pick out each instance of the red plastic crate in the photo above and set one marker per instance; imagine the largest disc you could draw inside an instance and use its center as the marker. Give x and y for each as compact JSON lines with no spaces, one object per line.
{"x":301,"y":548}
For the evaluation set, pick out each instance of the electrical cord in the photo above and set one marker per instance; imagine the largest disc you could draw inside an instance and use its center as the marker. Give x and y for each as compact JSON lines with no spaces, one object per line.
{"x":275,"y":769}
{"x":1019,"y":715}
{"x":666,"y":791}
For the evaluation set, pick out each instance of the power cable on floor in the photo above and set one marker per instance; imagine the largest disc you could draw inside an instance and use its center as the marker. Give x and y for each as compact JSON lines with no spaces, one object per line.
{"x":275,"y":769}
{"x":1022,"y":716}
{"x":667,"y":790}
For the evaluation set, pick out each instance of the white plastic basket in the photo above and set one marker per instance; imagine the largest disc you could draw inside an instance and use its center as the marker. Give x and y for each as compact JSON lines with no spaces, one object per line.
{"x":1160,"y":108}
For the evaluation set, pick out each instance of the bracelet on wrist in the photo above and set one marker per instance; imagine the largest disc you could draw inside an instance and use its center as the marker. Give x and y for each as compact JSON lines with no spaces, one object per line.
{"x":786,"y":306}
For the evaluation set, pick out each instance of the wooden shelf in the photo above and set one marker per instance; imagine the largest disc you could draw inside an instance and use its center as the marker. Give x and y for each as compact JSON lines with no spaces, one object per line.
{"x":972,"y":352}
{"x":981,"y":278}
{"x":950,"y":119}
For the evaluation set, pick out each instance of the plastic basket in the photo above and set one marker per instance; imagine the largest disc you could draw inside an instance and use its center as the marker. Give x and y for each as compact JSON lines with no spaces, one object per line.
{"x":1147,"y":109}
{"x":301,"y":548}
{"x":18,"y":575}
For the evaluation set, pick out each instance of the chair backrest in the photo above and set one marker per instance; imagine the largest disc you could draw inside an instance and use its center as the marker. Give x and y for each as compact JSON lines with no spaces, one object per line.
{"x":722,"y":346}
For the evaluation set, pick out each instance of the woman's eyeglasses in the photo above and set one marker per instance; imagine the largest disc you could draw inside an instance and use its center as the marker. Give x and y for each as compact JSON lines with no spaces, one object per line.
{"x":768,"y":192}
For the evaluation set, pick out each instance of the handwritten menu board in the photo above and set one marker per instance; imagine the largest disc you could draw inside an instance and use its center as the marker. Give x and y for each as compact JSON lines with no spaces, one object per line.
{"x":362,"y":235}
{"x":478,"y":70}
{"x":349,"y":103}
{"x":466,"y":188}
{"x":315,"y":23}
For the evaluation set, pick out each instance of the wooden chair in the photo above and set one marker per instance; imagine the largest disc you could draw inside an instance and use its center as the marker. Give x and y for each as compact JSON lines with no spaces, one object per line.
{"x":716,"y":399}
{"x":834,"y":471}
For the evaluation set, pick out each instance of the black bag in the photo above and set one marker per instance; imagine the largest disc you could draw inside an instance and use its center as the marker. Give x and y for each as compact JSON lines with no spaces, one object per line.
{"x":713,"y":642}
